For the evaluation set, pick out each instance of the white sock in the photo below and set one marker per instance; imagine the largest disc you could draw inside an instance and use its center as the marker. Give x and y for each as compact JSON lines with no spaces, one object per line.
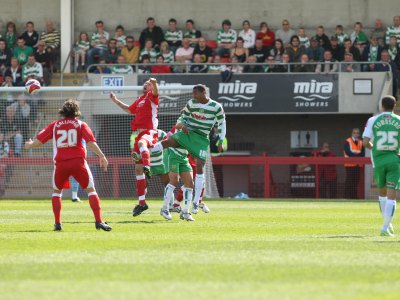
{"x":198,"y":187}
{"x":157,"y":148}
{"x":168,"y":194}
{"x":74,"y":195}
{"x":382,"y":204}
{"x":390,"y":209}
{"x":187,"y":198}
{"x":172,"y":200}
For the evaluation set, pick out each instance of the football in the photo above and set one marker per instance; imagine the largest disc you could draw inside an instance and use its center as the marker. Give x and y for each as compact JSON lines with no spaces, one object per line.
{"x":32,"y":86}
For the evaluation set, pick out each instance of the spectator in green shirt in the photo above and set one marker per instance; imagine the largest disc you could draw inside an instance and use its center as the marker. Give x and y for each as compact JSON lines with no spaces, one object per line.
{"x":22,"y":52}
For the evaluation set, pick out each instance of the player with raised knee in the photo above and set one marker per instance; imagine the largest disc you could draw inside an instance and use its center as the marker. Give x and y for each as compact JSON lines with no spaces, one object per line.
{"x":145,"y":110}
{"x":382,"y":135}
{"x":70,"y":159}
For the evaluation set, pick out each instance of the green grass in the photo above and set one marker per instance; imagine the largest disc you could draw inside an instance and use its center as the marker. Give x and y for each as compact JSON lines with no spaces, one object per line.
{"x":241,"y":250}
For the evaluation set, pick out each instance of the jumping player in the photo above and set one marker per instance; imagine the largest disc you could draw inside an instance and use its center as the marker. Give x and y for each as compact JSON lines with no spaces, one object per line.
{"x":70,"y":158}
{"x":145,"y":110}
{"x":382,"y":135}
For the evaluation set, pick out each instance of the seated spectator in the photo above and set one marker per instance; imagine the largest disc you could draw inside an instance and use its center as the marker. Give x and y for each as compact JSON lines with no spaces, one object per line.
{"x":348,"y":47}
{"x":120,"y":36}
{"x":173,"y":36}
{"x":340,"y":34}
{"x":305,"y":66}
{"x":393,"y":30}
{"x":5,"y":57}
{"x":239,"y":51}
{"x":252,"y":66}
{"x":385,"y":65}
{"x":23,"y":115}
{"x":349,"y":65}
{"x":205,"y":52}
{"x":278,"y":50}
{"x":102,"y":67}
{"x":315,"y":52}
{"x":153,"y":33}
{"x":295,"y":50}
{"x":184,"y":53}
{"x":11,"y":35}
{"x":12,"y":131}
{"x":145,"y":67}
{"x":6,"y":99}
{"x":44,"y":58}
{"x":285,"y":33}
{"x":198,"y":66}
{"x":336,"y":49}
{"x":259,"y":51}
{"x":130,"y":52}
{"x":274,"y":66}
{"x":394,"y":50}
{"x":248,"y":35}
{"x":30,"y":36}
{"x":52,"y":38}
{"x":226,"y":38}
{"x":160,"y":67}
{"x":378,"y":32}
{"x":371,"y":54}
{"x":98,"y":43}
{"x":32,"y":70}
{"x":21,"y":52}
{"x":234,"y":66}
{"x":192,"y":33}
{"x":322,"y":38}
{"x":112,"y":52}
{"x":328,"y":64}
{"x":285,"y":63}
{"x":121,"y":68}
{"x":267,"y":36}
{"x":358,"y":37}
{"x":4,"y":150}
{"x":217,"y":67}
{"x":15,"y":72}
{"x":168,"y":55}
{"x":80,"y":51}
{"x":149,"y":50}
{"x":303,"y":38}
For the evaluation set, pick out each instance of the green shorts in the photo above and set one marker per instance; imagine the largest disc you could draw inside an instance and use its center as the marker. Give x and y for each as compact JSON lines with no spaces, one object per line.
{"x":196,"y":144}
{"x":387,"y":176}
{"x":178,"y":164}
{"x":163,"y":168}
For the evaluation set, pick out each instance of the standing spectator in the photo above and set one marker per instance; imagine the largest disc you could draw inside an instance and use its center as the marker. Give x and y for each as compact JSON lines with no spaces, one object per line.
{"x":112,"y":52}
{"x":353,"y":147}
{"x":130,"y":52}
{"x":328,"y":64}
{"x":252,"y":66}
{"x":12,"y":132}
{"x":30,"y":36}
{"x":192,"y":33}
{"x":32,"y":70}
{"x":385,"y":65}
{"x":11,"y":35}
{"x":336,"y":49}
{"x":267,"y":36}
{"x":285,"y":33}
{"x":51,"y":37}
{"x":248,"y":35}
{"x":349,"y":48}
{"x":198,"y":66}
{"x":160,"y":67}
{"x":121,"y":68}
{"x":322,"y":38}
{"x":145,"y":67}
{"x":303,"y":38}
{"x":21,"y":52}
{"x":173,"y":36}
{"x":14,"y":72}
{"x":295,"y":50}
{"x":80,"y":51}
{"x":152,"y":32}
{"x":340,"y":34}
{"x":394,"y":30}
{"x":5,"y":57}
{"x":315,"y":52}
{"x":278,"y":50}
{"x":304,"y":66}
{"x":120,"y":36}
{"x":371,"y":54}
{"x":184,"y":53}
{"x":394,"y":50}
{"x":358,"y":37}
{"x":102,"y":68}
{"x":149,"y":50}
{"x":259,"y":51}
{"x":205,"y":52}
{"x":378,"y":32}
{"x":23,"y":115}
{"x":226,"y":39}
{"x":327,"y":174}
{"x":43,"y":57}
{"x":349,"y":65}
{"x":98,"y":43}
{"x":169,"y":57}
{"x":239,"y":51}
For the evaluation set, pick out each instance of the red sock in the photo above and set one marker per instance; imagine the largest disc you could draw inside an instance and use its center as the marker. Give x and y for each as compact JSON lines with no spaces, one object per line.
{"x":56,"y":203}
{"x":179,"y":197}
{"x":145,"y":158}
{"x":94,"y":202}
{"x":141,"y":189}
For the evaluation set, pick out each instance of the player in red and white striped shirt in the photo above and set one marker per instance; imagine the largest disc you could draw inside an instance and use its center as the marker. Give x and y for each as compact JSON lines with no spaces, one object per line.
{"x":70,"y":158}
{"x":145,"y":110}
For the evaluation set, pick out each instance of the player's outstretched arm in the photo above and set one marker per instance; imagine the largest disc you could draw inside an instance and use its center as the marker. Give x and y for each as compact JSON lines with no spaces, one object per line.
{"x":155,"y":86}
{"x":103,"y":160}
{"x":32,"y":144}
{"x":121,"y":104}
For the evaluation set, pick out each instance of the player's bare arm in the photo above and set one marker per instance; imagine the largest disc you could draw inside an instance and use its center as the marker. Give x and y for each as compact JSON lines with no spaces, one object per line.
{"x":121,"y":104}
{"x":103,"y":160}
{"x":367,"y":143}
{"x":155,"y":86}
{"x":32,"y":144}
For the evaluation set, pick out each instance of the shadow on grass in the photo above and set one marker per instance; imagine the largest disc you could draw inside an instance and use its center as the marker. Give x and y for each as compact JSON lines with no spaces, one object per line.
{"x":346,"y":237}
{"x":141,"y":222}
{"x":386,"y":242}
{"x":76,"y":222}
{"x":35,"y":230}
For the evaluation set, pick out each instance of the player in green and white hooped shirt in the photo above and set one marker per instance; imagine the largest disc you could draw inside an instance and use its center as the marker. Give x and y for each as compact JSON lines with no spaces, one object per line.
{"x":196,"y":120}
{"x":382,"y":135}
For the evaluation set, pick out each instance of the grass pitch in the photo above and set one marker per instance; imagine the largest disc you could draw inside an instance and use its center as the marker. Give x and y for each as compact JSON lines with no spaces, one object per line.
{"x":241,"y":250}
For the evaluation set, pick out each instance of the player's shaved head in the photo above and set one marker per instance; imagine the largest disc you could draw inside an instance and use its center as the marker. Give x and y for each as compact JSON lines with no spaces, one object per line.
{"x":388,"y":103}
{"x":200,"y":87}
{"x":70,"y":109}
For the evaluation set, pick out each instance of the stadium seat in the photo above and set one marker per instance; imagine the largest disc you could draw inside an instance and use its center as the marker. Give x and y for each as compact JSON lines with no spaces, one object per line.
{"x":225,"y":60}
{"x":136,"y":43}
{"x":212,"y":44}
